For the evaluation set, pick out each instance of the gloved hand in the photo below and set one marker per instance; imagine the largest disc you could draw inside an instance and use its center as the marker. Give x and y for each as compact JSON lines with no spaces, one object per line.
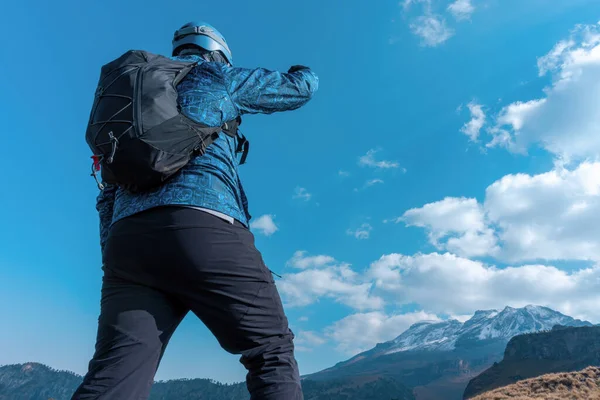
{"x":295,"y":68}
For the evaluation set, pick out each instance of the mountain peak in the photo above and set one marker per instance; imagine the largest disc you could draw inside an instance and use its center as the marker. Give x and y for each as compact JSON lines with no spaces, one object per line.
{"x":483,"y":326}
{"x":479,"y":314}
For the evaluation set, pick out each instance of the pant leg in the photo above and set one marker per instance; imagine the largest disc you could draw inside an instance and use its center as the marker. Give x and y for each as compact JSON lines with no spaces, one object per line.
{"x":214,"y":269}
{"x":228,"y":286}
{"x":262,"y":336}
{"x":134,"y":327}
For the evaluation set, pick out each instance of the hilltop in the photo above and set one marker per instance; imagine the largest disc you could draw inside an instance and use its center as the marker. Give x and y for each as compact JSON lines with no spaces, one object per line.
{"x":581,"y":385}
{"x":563,"y":349}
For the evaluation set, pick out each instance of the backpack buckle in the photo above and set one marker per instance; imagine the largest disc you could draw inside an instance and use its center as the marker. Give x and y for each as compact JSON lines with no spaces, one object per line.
{"x":96,"y":160}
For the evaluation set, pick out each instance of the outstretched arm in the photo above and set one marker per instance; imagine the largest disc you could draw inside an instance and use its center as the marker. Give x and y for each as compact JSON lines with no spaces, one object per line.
{"x":104,"y":206}
{"x":262,"y":91}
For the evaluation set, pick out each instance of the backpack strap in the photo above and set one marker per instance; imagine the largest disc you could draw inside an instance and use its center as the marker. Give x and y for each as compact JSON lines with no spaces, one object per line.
{"x":231,"y":128}
{"x":243,"y":147}
{"x":184,"y":72}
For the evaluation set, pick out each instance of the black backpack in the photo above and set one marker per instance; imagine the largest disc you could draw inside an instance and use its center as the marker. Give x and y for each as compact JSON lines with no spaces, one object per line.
{"x":136,"y":131}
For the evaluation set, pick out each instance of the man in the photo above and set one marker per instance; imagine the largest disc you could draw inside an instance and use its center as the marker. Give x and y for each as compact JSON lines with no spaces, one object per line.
{"x":185,"y":246}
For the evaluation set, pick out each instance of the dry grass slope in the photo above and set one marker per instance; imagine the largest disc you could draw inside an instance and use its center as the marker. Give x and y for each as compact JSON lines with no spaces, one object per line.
{"x":581,"y":385}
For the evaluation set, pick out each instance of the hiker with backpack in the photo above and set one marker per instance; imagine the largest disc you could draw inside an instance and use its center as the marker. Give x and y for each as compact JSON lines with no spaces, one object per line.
{"x":174,"y":219}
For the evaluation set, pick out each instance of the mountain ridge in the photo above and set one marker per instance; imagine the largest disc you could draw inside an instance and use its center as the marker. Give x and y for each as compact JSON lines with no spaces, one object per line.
{"x":578,"y":385}
{"x":36,"y":381}
{"x":451,"y":334}
{"x":439,"y":358}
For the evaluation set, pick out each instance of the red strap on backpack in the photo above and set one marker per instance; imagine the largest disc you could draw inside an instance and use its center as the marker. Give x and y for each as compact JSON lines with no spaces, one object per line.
{"x":95,"y":169}
{"x":96,"y":162}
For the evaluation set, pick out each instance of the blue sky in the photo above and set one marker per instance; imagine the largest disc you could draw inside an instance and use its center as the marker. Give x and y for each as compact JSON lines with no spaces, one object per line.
{"x":448,"y":163}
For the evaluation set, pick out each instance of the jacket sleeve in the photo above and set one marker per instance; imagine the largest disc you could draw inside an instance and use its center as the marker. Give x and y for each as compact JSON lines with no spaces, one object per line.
{"x":104,"y":206}
{"x":262,"y":91}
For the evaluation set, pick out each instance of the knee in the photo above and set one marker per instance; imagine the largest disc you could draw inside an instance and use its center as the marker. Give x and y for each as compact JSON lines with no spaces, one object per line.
{"x":273,"y":350}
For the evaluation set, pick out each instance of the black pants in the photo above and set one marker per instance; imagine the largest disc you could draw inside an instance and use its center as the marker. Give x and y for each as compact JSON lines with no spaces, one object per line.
{"x":163,"y":263}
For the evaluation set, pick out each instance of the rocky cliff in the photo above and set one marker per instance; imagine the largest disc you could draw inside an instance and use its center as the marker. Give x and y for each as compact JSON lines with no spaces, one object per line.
{"x":563,"y":349}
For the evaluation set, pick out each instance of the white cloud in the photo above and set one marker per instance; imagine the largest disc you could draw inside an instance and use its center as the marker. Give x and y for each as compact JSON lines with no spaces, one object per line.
{"x":321,"y":279}
{"x":430,"y":24}
{"x":370,"y":183}
{"x":363,"y":232}
{"x":303,"y":319}
{"x":306,"y":341}
{"x":339,"y":283}
{"x":312,"y":338}
{"x":432,"y":30}
{"x":474,"y":244}
{"x":439,"y":284}
{"x":474,"y":126}
{"x":302,"y":194}
{"x":565,"y":120}
{"x":448,"y":284}
{"x":302,"y":261}
{"x":373,"y":182}
{"x":265,"y":225}
{"x":456,"y":224}
{"x":343,"y":173}
{"x":461,"y":9}
{"x":513,"y":115}
{"x":451,"y":214}
{"x":461,"y":318}
{"x":550,"y":216}
{"x":406,"y":4}
{"x":368,"y":160}
{"x":361,"y":332}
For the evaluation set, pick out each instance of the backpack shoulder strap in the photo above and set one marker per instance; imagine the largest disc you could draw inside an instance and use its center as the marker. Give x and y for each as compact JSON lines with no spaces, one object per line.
{"x":231,"y":128}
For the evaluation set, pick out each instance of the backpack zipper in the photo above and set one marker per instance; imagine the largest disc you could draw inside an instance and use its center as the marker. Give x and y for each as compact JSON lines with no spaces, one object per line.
{"x":114,"y":142}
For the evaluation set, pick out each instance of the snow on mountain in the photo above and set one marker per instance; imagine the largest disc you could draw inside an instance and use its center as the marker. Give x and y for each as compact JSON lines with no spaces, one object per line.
{"x":426,"y":335}
{"x":484,"y":325}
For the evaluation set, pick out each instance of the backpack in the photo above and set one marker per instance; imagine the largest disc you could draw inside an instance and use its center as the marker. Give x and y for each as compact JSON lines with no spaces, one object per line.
{"x":138,"y":136}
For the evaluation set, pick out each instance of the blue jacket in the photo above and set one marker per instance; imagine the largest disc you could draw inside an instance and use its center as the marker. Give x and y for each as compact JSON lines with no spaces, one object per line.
{"x":213,"y":93}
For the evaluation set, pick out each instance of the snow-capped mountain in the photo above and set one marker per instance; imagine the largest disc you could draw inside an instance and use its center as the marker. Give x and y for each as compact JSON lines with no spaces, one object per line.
{"x":441,"y":358}
{"x":427,"y":335}
{"x":483,"y":326}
